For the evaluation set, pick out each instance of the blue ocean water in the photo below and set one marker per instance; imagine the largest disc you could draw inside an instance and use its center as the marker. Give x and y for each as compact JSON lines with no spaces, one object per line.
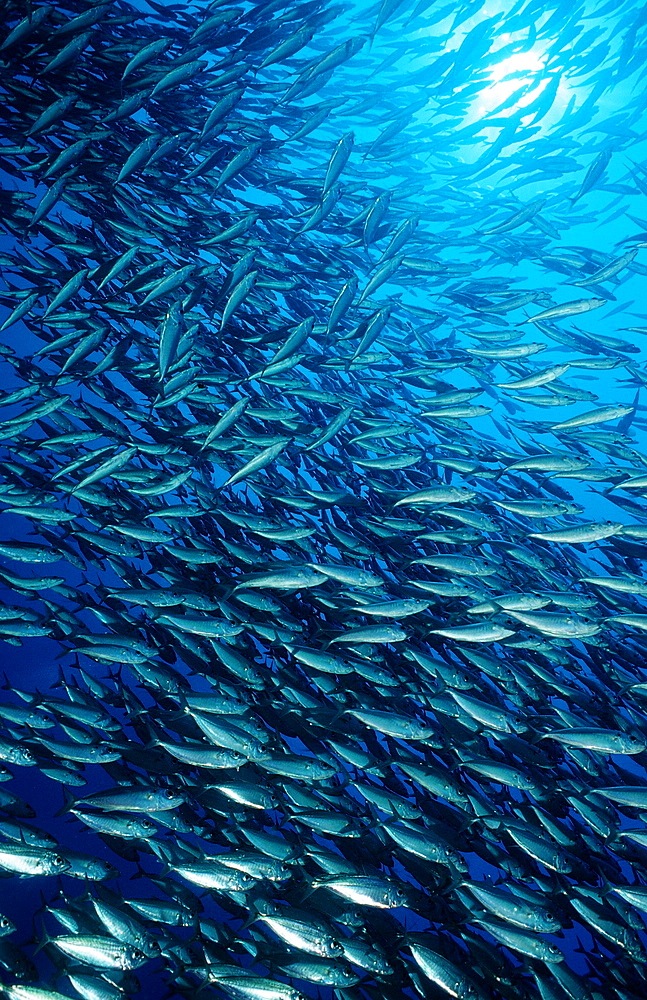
{"x":322,"y":538}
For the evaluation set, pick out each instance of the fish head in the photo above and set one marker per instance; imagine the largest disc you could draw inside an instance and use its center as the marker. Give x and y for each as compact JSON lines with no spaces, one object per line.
{"x":332,"y":947}
{"x":133,"y":958}
{"x":54,"y":864}
{"x":168,"y":795}
{"x":631,"y":744}
{"x":395,"y":895}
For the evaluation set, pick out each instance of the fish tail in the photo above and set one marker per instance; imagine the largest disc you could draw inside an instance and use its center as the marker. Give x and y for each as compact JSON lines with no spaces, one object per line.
{"x":68,"y":802}
{"x":43,"y":938}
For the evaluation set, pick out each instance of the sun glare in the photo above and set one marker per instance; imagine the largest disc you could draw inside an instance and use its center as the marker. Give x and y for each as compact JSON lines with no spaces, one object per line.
{"x":520,"y":73}
{"x":522,"y":64}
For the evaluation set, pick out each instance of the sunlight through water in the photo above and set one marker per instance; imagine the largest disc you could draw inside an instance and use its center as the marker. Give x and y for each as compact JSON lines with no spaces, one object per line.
{"x":516,"y":80}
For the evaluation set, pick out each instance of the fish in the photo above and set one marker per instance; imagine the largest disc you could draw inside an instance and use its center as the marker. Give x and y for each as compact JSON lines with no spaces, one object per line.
{"x":606,"y":741}
{"x":324,"y":639}
{"x":445,"y":974}
{"x":99,"y":951}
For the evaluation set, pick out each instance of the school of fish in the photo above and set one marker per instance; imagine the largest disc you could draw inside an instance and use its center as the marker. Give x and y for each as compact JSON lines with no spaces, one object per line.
{"x":342,"y":685}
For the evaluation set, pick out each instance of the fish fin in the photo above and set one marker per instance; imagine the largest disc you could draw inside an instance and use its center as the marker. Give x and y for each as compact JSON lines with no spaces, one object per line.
{"x":140,"y":873}
{"x":43,"y":939}
{"x":68,"y":801}
{"x":61,"y":681}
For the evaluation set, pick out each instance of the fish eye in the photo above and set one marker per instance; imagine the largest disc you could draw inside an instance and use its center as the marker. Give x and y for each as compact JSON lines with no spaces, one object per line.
{"x":400,"y":893}
{"x":59,"y":861}
{"x":137,"y":954}
{"x":168,"y":794}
